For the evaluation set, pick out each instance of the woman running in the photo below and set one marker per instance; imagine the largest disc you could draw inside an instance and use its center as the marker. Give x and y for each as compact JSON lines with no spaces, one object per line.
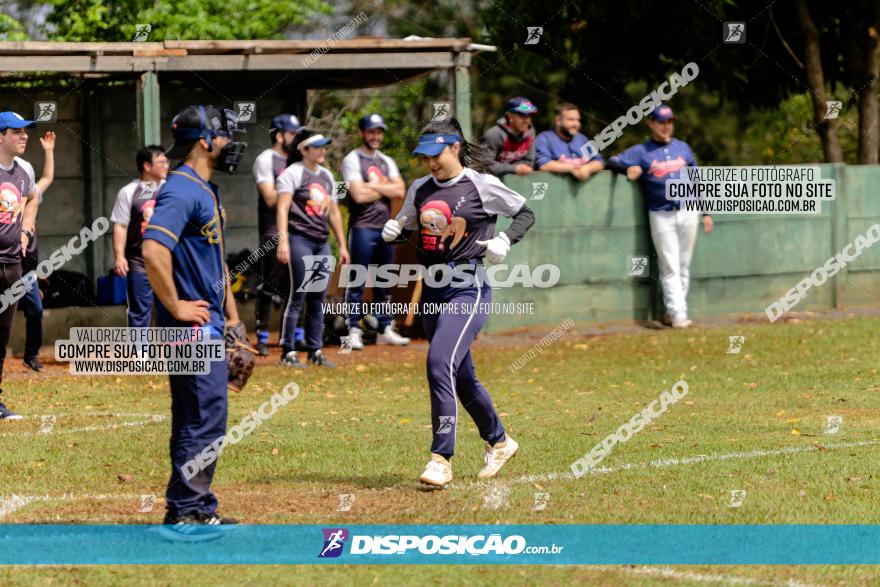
{"x":454,"y":209}
{"x":306,"y":213}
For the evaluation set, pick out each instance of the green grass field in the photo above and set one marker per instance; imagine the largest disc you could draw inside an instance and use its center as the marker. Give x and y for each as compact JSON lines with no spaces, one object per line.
{"x":753,"y":421}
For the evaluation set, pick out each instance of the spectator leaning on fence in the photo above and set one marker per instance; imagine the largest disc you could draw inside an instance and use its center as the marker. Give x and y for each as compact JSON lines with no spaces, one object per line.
{"x":510,"y":144}
{"x":673,"y":230}
{"x":562,"y":150}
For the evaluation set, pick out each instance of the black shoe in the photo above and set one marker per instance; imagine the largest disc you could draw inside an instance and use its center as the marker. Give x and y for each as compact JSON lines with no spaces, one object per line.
{"x":318,"y":358}
{"x":262,"y":349}
{"x":216,"y":519}
{"x":291,"y":360}
{"x":34,"y":363}
{"x":7,"y":414}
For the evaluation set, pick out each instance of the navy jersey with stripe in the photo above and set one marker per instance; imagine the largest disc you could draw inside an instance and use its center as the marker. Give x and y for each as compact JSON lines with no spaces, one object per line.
{"x":188,"y":220}
{"x":451,"y":216}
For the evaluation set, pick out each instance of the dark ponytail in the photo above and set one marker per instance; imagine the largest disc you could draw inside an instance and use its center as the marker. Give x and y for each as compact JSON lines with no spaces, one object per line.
{"x":471,"y":154}
{"x":295,"y":155}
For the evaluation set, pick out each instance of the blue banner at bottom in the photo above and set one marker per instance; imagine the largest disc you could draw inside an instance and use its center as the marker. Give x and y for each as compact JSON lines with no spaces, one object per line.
{"x":441,"y":544}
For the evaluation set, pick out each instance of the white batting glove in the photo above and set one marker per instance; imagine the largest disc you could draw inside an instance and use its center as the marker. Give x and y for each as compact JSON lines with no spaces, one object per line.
{"x":392,"y":229}
{"x":496,"y":248}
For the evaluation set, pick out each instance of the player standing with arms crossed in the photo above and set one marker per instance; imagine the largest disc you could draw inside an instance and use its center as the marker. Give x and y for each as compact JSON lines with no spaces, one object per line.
{"x":135,"y":204}
{"x":373,"y":181}
{"x":19,"y":199}
{"x":673,"y":230}
{"x":32,"y":303}
{"x":273,"y":275}
{"x":306,"y":212}
{"x":454,"y":209}
{"x":184,"y":253}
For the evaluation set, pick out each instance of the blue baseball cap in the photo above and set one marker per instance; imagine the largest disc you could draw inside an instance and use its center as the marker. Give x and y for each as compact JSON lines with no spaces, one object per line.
{"x":12,"y":120}
{"x":520,"y":105}
{"x":432,"y":145}
{"x":372,"y":121}
{"x":662,"y":113}
{"x":286,"y":122}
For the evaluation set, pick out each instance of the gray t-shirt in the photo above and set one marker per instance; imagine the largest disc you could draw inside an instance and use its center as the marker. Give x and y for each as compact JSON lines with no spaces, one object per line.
{"x":380,"y":168}
{"x":310,"y":190}
{"x":452,"y":215}
{"x":16,"y":183}
{"x":134,"y":207}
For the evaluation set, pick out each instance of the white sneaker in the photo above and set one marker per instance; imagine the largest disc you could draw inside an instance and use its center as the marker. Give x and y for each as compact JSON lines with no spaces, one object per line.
{"x":496,"y":457}
{"x":354,"y":339}
{"x":391,"y":337}
{"x":438,"y":472}
{"x":681,"y":323}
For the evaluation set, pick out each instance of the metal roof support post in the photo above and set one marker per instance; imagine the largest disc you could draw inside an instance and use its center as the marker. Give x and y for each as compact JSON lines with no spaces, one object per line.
{"x":463,"y":93}
{"x":148,"y":109}
{"x":97,"y":262}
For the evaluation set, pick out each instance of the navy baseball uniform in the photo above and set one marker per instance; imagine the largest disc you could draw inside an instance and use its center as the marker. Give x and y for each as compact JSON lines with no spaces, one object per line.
{"x":470,"y":204}
{"x":134,"y":207}
{"x":308,"y":229}
{"x":673,"y":229}
{"x":188,"y":220}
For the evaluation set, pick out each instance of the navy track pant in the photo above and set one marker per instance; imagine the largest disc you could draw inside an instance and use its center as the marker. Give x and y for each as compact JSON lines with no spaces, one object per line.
{"x":451,"y":374}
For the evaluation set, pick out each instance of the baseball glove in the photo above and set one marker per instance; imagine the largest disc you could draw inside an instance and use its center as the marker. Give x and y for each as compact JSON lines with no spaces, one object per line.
{"x":240,"y":356}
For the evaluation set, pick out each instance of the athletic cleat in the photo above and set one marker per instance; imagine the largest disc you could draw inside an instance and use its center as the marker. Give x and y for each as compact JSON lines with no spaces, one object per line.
{"x":438,"y":472}
{"x":291,"y":360}
{"x":318,"y":358}
{"x":7,"y":414}
{"x":354,"y":339}
{"x":34,"y":363}
{"x":497,"y":456}
{"x":216,"y":519}
{"x":681,"y":323}
{"x":391,"y":337}
{"x":262,"y":349}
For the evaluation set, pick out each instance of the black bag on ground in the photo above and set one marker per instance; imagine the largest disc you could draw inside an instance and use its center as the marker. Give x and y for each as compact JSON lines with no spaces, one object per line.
{"x":64,"y":289}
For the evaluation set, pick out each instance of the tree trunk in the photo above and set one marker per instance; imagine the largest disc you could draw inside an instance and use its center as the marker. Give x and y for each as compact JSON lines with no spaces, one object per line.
{"x":826,"y":128}
{"x":869,"y":107}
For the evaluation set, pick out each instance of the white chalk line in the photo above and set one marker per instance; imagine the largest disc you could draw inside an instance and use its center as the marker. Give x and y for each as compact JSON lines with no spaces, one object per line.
{"x":671,"y":462}
{"x":669,"y":573}
{"x":150,"y":419}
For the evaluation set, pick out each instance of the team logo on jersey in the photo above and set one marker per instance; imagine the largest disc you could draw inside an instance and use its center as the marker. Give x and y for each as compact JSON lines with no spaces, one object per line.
{"x":375,"y":175}
{"x":319,"y":268}
{"x":445,"y":424}
{"x":212,"y":229}
{"x":438,"y":224}
{"x":318,"y":200}
{"x":663,"y":168}
{"x":147,"y":212}
{"x":334,"y":541}
{"x":11,"y":203}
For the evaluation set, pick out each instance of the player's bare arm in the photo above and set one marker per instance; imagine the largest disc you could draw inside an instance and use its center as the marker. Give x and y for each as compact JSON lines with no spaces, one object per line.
{"x":336,"y":226}
{"x":48,"y":143}
{"x":29,"y":220}
{"x":120,"y":265}
{"x":283,"y":251}
{"x":157,"y":259}
{"x":268,"y":193}
{"x":557,"y":167}
{"x":364,"y":193}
